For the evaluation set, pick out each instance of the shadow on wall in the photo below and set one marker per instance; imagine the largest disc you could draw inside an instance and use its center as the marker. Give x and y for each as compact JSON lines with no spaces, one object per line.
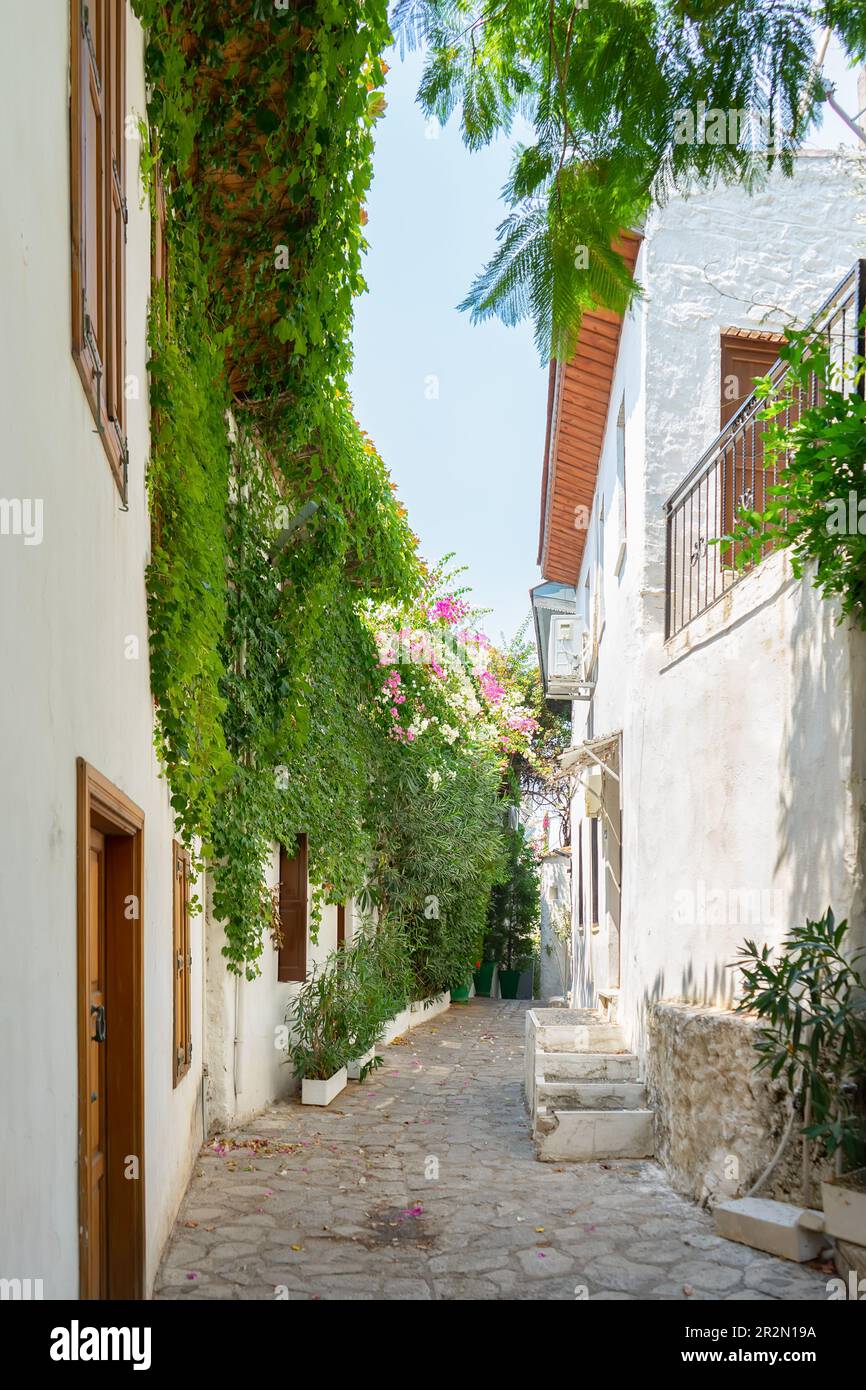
{"x":583,"y":990}
{"x":823,"y":767}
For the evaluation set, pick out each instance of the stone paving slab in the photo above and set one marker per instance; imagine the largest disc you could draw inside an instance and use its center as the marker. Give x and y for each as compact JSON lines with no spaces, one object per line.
{"x":422,"y":1184}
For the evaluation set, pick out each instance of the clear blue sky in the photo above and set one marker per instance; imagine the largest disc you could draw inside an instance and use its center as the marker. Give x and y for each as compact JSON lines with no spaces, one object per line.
{"x":467,"y":463}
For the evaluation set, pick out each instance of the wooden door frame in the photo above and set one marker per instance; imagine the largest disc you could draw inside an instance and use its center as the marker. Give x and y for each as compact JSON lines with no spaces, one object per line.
{"x":102,"y":806}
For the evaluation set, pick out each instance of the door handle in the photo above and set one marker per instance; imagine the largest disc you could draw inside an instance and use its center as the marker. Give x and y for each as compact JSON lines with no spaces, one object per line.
{"x":99,"y":1010}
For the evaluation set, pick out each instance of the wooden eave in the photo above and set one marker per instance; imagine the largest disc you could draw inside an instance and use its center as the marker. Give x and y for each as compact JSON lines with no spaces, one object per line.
{"x":578,"y":405}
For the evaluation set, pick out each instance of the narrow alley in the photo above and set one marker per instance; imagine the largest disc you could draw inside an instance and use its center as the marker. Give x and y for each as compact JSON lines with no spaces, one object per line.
{"x":422,"y":1183}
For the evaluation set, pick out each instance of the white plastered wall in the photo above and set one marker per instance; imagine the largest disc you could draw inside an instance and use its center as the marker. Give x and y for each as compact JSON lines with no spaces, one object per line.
{"x":68,"y":607}
{"x":742,"y":745}
{"x":245,"y":1075}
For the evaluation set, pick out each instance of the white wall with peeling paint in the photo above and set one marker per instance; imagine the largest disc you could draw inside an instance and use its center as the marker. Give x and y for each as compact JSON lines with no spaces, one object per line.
{"x":743,"y":740}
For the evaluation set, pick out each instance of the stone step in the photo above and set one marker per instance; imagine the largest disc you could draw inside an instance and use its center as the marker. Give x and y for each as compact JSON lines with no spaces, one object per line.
{"x":587,"y":1066}
{"x":779,"y":1228}
{"x":586,"y":1136}
{"x":582,"y":1037}
{"x":589,"y":1095}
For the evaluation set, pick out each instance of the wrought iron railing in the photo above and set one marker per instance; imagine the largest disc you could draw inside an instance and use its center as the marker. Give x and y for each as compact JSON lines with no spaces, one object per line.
{"x":731,"y":475}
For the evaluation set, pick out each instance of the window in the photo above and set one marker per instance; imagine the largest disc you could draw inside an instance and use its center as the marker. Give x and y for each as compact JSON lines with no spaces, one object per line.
{"x":581,"y":920}
{"x":593,"y":869}
{"x":599,"y":564}
{"x":292,"y":962}
{"x":99,"y":215}
{"x":182,"y":964}
{"x":341,"y":924}
{"x":620,"y":485}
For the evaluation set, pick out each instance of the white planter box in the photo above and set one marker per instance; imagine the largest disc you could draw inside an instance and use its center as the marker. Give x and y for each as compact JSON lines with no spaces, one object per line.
{"x":422,"y":1013}
{"x":357,"y":1064}
{"x":412,"y":1017}
{"x":323,"y":1092}
{"x":396,"y":1026}
{"x":845,"y":1206}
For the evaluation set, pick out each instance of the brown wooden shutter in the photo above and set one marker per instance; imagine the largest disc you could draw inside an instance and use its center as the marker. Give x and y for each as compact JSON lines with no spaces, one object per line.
{"x":88,"y":196}
{"x":743,"y":358}
{"x":743,"y":478}
{"x":98,"y":216}
{"x":116,"y":217}
{"x":182,"y":964}
{"x":341,"y":924}
{"x":292,"y":963}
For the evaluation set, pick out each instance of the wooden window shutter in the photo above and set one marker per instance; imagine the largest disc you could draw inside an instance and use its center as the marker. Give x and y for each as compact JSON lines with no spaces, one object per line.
{"x":89,"y":307}
{"x":116,"y":217}
{"x":581,"y":920}
{"x":98,"y":217}
{"x":341,"y":924}
{"x":593,"y":870}
{"x":182,"y":962}
{"x":292,"y":962}
{"x":744,"y":356}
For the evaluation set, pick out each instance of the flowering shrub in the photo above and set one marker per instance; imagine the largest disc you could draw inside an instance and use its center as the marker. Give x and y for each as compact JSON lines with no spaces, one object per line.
{"x":449,"y":726}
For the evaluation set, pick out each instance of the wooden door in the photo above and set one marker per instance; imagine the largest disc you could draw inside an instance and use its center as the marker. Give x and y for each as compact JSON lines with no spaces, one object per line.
{"x":743,"y":481}
{"x":93,"y":1156}
{"x":110,"y":1040}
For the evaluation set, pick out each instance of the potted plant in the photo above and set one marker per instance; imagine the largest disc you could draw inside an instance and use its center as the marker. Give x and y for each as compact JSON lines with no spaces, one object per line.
{"x":321,"y":1021}
{"x":514,"y":912}
{"x":483,"y":976}
{"x":813,"y":1003}
{"x":460,"y":992}
{"x":380,"y":984}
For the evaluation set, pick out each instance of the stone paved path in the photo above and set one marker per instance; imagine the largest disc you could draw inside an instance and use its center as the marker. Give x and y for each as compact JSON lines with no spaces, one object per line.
{"x":422,"y":1184}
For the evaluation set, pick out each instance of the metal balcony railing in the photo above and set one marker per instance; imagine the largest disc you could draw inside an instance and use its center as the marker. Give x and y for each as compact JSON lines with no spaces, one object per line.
{"x":731,"y":474}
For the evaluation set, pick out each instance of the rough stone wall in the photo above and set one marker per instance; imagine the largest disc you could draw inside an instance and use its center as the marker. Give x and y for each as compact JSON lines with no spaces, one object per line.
{"x":718,"y":1122}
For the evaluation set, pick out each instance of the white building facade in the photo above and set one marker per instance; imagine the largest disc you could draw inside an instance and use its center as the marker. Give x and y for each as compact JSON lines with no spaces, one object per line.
{"x":718,"y":754}
{"x":125,"y":1041}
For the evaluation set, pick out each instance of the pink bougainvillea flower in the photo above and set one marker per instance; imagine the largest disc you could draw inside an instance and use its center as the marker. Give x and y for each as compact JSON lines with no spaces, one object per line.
{"x":448,"y":610}
{"x":493,"y":692}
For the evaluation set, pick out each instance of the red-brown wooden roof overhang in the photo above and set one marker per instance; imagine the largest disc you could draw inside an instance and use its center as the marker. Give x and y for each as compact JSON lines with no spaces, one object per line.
{"x":578,"y":401}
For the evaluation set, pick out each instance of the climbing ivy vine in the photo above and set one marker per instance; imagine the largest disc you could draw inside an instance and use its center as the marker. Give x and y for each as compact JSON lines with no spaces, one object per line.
{"x":274,"y":520}
{"x":280,"y":552}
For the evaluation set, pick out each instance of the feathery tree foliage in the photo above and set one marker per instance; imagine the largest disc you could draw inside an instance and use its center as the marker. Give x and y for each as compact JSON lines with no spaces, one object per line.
{"x":612,"y":91}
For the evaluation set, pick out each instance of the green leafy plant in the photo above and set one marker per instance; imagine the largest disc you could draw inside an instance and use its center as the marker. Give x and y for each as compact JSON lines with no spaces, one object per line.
{"x":274,"y":520}
{"x":514,"y":909}
{"x":279,"y":544}
{"x":819,"y":453}
{"x":613,"y":94}
{"x":812,"y":1000}
{"x":340,"y":1012}
{"x":323,"y":1020}
{"x":378,"y":961}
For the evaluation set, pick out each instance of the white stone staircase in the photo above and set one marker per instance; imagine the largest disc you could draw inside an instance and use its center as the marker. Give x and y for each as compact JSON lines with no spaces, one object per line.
{"x":583,"y":1090}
